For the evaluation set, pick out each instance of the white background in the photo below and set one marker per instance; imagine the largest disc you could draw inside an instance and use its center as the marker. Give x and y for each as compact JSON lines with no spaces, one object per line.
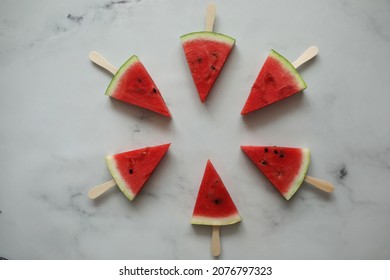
{"x":56,"y":126}
{"x":109,"y":269}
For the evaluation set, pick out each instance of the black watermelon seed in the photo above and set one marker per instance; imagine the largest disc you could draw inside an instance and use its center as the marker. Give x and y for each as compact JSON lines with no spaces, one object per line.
{"x":266,"y":150}
{"x":212,"y":68}
{"x":199,"y":60}
{"x":154,"y":90}
{"x":217,"y":201}
{"x":275,"y":152}
{"x":281,"y":155}
{"x":268,"y":78}
{"x":263,"y":162}
{"x":131,"y":171}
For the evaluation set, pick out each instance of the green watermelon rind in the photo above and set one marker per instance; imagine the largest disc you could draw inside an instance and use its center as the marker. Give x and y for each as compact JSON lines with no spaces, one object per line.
{"x":212,"y":36}
{"x":301,"y":174}
{"x":212,"y":221}
{"x":111,"y":163}
{"x":113,"y":84}
{"x":289,"y":67}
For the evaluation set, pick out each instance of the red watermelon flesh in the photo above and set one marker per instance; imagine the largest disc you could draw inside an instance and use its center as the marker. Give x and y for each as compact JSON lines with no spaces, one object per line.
{"x":284,"y":167}
{"x":214,"y":205}
{"x":133,"y":84}
{"x":278,"y":79}
{"x":206,"y":53}
{"x":132,"y":169}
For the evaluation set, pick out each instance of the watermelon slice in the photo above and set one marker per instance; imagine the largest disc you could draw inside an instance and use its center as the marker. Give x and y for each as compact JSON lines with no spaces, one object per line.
{"x":206,"y":53}
{"x":214,"y":205}
{"x":278,"y":79}
{"x":284,"y":167}
{"x":133,"y":84}
{"x":133,"y":168}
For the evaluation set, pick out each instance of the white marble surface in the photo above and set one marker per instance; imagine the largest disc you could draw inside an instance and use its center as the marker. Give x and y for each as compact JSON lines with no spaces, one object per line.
{"x":57,"y":125}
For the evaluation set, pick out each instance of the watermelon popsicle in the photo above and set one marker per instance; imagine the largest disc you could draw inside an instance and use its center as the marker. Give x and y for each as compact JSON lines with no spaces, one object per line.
{"x":131,"y":170}
{"x":285,"y":167}
{"x":132,"y":84}
{"x":206,"y":53}
{"x":214,"y":206}
{"x":277,"y":80}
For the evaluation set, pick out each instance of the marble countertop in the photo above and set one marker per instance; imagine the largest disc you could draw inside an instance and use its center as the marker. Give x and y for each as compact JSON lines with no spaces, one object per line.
{"x":57,"y":126}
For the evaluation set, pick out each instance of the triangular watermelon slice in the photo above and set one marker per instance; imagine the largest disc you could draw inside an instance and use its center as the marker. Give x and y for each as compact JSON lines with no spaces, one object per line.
{"x":133,"y":84}
{"x":214,"y":205}
{"x":206,"y":53}
{"x":284,"y":167}
{"x":278,"y":79}
{"x":133,"y":168}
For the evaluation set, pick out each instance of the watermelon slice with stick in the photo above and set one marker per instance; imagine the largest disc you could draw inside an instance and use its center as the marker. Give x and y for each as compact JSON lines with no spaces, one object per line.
{"x":214,"y":206}
{"x":285,"y":167}
{"x":277,"y":80}
{"x":206,"y":53}
{"x":132,"y":84}
{"x":131,"y":170}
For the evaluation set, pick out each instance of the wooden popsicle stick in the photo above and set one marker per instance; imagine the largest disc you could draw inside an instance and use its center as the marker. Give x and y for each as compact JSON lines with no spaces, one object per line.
{"x":98,"y":59}
{"x":210,"y":17}
{"x":215,"y":241}
{"x":97,"y":191}
{"x":306,"y":56}
{"x":320,"y":184}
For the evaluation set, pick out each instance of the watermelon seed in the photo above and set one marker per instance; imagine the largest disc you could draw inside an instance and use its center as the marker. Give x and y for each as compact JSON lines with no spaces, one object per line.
{"x":275,"y":152}
{"x":131,"y":171}
{"x":268,"y":78}
{"x":266,"y":150}
{"x":263,"y":162}
{"x":281,"y":155}
{"x":154,"y":90}
{"x":217,"y":201}
{"x":212,"y":67}
{"x":199,"y":59}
